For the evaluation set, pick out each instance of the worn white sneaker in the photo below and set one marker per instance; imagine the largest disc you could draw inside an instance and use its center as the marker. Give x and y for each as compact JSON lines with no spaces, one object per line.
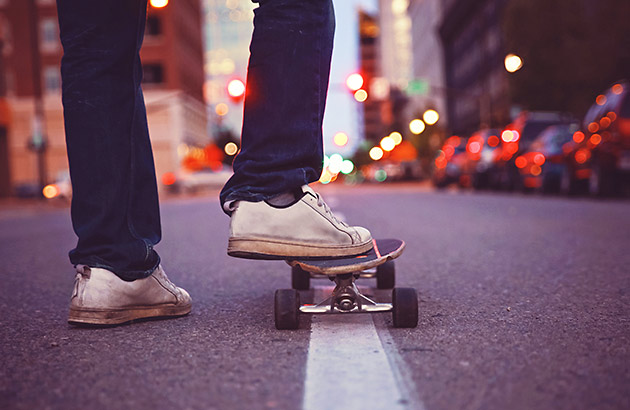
{"x":102,"y":298}
{"x":307,"y":228}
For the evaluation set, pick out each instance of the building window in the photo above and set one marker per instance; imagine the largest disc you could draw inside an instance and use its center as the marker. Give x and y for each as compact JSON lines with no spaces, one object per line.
{"x":154,"y":26}
{"x":52,"y":79}
{"x":153,"y":74}
{"x":9,"y":83}
{"x":49,"y":40}
{"x":6,"y":39}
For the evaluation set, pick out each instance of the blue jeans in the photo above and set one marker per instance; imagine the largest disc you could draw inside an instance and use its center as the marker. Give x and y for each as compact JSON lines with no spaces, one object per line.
{"x":115,"y":210}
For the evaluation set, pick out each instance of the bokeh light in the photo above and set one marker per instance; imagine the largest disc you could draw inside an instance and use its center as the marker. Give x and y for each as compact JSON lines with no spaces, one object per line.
{"x":361,"y":95}
{"x":417,"y":126}
{"x":335,"y":163}
{"x":221,"y":109}
{"x":380,"y":175}
{"x":158,"y":4}
{"x":397,"y":137}
{"x":340,"y":139}
{"x":50,"y":191}
{"x":376,"y":153}
{"x":347,"y":167}
{"x":388,"y":144}
{"x":230,"y":148}
{"x":430,"y":117}
{"x":354,"y":81}
{"x":513,"y":63}
{"x":236,"y":88}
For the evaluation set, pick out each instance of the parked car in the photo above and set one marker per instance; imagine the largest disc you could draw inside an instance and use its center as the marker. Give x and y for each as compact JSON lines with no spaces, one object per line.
{"x":599,"y":161}
{"x":480,"y":150}
{"x":541,"y":166}
{"x":449,"y":163}
{"x":516,"y":139}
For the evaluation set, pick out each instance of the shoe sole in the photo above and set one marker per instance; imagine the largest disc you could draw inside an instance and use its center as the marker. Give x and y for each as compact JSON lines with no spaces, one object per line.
{"x":86,"y":316}
{"x":272,"y":249}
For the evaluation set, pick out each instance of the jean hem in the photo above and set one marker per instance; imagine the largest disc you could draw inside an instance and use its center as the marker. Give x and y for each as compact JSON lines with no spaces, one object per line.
{"x":126,"y":275}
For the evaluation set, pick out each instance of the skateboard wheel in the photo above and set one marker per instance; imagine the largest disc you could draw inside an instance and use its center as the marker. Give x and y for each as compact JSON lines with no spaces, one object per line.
{"x":287,"y":309}
{"x":300,"y":279}
{"x":386,"y":275}
{"x":405,"y":307}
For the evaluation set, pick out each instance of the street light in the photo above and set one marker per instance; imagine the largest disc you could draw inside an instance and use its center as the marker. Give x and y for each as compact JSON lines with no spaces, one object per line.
{"x":236,"y":89}
{"x":354,"y":81}
{"x":361,"y":95}
{"x":158,"y":4}
{"x":430,"y":117}
{"x":376,"y":153}
{"x":388,"y":144}
{"x":416,"y":126}
{"x":340,"y":139}
{"x":513,"y":63}
{"x":396,"y":137}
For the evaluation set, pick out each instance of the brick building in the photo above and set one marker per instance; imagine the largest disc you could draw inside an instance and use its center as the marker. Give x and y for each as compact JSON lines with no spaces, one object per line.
{"x":31,"y":54}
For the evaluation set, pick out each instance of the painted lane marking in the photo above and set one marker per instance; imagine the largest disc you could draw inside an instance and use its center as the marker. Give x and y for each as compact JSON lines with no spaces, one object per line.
{"x":347,"y":367}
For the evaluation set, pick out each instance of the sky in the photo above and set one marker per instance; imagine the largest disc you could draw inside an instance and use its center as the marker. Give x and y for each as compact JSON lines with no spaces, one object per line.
{"x":342,"y":111}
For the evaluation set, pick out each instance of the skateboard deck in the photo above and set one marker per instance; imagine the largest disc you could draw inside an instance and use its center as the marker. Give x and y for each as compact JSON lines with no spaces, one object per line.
{"x":383,"y":250}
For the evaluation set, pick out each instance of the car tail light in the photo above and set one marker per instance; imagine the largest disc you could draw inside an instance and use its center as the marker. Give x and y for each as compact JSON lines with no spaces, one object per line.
{"x":440,"y":162}
{"x":593,"y":127}
{"x":583,"y":173}
{"x":595,"y":139}
{"x":539,"y":158}
{"x":623,"y":125}
{"x":520,"y":162}
{"x":169,"y":178}
{"x":582,"y":155}
{"x":474,"y":147}
{"x":510,"y":136}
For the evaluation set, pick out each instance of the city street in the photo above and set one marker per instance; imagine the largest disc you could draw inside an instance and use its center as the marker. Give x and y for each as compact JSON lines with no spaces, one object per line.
{"x":524,"y":304}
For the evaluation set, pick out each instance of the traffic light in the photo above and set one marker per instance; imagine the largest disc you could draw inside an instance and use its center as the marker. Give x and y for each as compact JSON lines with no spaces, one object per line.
{"x":236,"y":89}
{"x":354,"y":81}
{"x":158,"y":4}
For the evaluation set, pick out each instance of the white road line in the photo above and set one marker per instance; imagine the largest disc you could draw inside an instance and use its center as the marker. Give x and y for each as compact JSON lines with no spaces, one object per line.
{"x":347,"y":367}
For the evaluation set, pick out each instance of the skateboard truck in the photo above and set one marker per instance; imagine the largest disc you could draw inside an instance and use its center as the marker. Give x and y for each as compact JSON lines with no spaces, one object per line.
{"x":346,"y":298}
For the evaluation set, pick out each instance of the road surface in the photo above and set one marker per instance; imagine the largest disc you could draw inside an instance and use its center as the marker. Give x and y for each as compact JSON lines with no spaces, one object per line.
{"x":524,"y":304}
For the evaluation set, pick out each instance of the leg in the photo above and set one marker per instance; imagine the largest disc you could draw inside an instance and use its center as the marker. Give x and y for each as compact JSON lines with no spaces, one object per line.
{"x":282,"y":148}
{"x":115,"y":211}
{"x":287,"y":83}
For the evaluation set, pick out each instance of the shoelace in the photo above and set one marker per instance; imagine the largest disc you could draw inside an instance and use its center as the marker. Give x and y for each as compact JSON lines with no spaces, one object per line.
{"x":322,"y":204}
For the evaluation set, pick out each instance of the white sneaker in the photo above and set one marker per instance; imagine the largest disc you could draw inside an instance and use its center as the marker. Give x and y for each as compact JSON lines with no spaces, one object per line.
{"x":102,"y":298}
{"x":307,"y":228}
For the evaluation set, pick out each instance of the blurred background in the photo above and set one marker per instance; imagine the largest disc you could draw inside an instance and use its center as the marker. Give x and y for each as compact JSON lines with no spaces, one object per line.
{"x":513,"y":95}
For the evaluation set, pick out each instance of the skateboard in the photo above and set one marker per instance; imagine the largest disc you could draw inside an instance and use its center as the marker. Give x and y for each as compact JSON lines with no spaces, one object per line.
{"x":346,"y":297}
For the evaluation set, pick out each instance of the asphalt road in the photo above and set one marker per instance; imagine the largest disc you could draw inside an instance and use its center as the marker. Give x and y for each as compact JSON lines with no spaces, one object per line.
{"x":524,"y":304}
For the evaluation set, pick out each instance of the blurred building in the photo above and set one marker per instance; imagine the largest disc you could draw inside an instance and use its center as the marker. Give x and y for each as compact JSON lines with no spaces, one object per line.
{"x":373,"y":124}
{"x":5,"y":179}
{"x":475,"y":77}
{"x":428,"y":59}
{"x":395,"y":42}
{"x":173,"y":84}
{"x":228,"y":26}
{"x":395,"y":62}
